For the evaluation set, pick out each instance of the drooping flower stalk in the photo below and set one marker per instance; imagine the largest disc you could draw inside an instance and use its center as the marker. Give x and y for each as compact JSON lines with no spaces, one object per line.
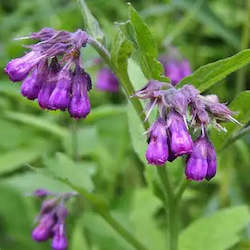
{"x":52,"y":72}
{"x":51,"y":219}
{"x":179,"y":112}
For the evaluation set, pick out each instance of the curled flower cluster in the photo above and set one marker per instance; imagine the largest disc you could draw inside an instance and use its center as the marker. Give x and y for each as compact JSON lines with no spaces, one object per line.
{"x":51,"y":220}
{"x":52,"y":72}
{"x":169,"y":136}
{"x":175,"y":67}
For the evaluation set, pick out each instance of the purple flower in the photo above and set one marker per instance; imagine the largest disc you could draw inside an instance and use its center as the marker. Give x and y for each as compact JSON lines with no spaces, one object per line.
{"x":185,"y":68}
{"x":17,"y":69}
{"x":107,"y":81}
{"x":202,"y":161}
{"x":157,"y":151}
{"x":60,"y":96}
{"x":79,"y":106}
{"x":211,"y":160}
{"x":49,"y":85}
{"x":59,"y":241}
{"x":41,"y":193}
{"x":197,"y":165}
{"x":172,"y":70}
{"x":176,"y":70}
{"x":180,"y":140}
{"x":44,"y":230}
{"x":32,"y":84}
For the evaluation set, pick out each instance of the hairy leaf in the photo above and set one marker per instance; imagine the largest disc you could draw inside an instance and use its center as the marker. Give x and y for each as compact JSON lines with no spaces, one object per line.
{"x":207,"y":75}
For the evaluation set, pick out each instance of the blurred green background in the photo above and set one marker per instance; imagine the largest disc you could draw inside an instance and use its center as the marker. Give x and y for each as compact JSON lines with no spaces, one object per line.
{"x":203,"y":31}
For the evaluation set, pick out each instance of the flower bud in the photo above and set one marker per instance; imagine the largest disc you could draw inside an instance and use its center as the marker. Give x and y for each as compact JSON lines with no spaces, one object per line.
{"x":44,"y":230}
{"x":32,"y":84}
{"x":79,"y":106}
{"x":211,"y":160}
{"x":60,"y":96}
{"x":197,"y":165}
{"x":49,"y":85}
{"x":18,"y":69}
{"x":41,"y":193}
{"x":107,"y":81}
{"x":59,"y":241}
{"x":150,"y":89}
{"x":157,"y":151}
{"x":180,"y":140}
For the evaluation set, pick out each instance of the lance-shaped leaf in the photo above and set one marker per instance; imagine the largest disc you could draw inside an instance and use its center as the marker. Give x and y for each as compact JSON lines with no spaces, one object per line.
{"x":91,"y":24}
{"x":207,"y":75}
{"x":148,"y":53}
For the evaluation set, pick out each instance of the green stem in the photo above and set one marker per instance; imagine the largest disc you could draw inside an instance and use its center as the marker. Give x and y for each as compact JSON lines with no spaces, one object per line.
{"x":101,"y":207}
{"x":74,"y":141}
{"x":122,"y":231}
{"x":171,"y":209}
{"x":124,"y":79}
{"x":241,"y":76}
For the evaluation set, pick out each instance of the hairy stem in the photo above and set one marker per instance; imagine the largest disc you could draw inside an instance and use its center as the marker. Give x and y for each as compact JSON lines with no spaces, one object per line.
{"x":171,"y":208}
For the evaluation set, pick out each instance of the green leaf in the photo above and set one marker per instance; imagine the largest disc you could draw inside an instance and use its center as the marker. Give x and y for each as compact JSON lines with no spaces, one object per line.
{"x":138,"y":137}
{"x":207,"y":75}
{"x":121,"y":50}
{"x":36,"y":122}
{"x":220,"y":230}
{"x":30,"y":181}
{"x":17,"y":158}
{"x":78,"y":174}
{"x":91,"y":24}
{"x":148,"y":53}
{"x":144,"y":206}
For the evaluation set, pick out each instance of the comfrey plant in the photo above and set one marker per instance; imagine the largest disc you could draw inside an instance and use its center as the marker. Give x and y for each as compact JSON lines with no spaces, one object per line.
{"x":52,"y":72}
{"x":51,"y":219}
{"x":181,"y":110}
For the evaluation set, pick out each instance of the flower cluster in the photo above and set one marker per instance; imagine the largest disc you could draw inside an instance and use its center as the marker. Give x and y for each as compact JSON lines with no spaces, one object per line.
{"x":175,"y":67}
{"x":180,"y":110}
{"x":52,"y":72}
{"x":51,"y":219}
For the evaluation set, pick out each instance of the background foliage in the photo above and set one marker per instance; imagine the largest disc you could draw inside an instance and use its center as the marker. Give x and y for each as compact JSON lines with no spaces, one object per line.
{"x":38,"y":147}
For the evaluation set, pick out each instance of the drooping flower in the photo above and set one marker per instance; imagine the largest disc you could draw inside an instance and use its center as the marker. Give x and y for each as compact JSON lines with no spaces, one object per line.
{"x":202,"y":161}
{"x":52,"y":219}
{"x":180,"y":139}
{"x":32,"y":84}
{"x":19,"y":68}
{"x":49,"y":85}
{"x":79,"y":106}
{"x":107,"y":81}
{"x":157,"y":151}
{"x":60,"y":96}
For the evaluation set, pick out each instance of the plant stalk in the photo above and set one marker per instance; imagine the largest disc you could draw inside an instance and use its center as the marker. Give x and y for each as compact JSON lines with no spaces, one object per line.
{"x":171,"y":208}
